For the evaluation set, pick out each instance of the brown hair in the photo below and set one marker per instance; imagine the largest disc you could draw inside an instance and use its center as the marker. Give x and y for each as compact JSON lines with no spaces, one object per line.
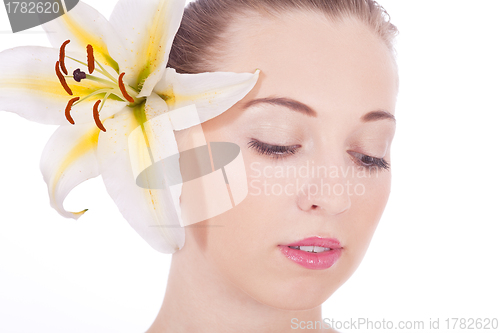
{"x":205,"y":22}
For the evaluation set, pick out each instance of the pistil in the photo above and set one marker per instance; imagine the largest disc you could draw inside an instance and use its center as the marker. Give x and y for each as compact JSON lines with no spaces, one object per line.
{"x":78,"y":75}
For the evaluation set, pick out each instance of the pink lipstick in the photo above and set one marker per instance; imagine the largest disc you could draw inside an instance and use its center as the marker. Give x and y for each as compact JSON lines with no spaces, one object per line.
{"x":313,"y":252}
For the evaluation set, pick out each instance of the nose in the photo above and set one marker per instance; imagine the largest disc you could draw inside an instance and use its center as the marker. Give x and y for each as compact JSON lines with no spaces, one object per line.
{"x":328,"y":194}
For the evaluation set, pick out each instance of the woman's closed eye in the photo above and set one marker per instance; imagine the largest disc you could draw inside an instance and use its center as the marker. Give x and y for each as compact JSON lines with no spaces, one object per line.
{"x":280,"y":152}
{"x":275,"y":151}
{"x":368,"y":162}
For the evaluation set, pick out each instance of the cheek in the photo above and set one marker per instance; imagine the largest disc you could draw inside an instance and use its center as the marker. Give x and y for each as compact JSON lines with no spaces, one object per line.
{"x":239,"y":243}
{"x":367,"y":206}
{"x":243,"y":243}
{"x":240,"y":234}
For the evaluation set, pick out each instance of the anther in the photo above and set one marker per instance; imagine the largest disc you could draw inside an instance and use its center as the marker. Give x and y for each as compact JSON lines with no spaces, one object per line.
{"x":90,"y":58}
{"x":62,"y":55}
{"x":96,"y":116}
{"x":123,"y":90}
{"x":62,"y":79}
{"x":68,"y":109}
{"x":78,"y":75}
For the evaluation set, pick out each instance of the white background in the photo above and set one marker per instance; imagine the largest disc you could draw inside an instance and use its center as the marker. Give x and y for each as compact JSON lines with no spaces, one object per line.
{"x":435,"y":254}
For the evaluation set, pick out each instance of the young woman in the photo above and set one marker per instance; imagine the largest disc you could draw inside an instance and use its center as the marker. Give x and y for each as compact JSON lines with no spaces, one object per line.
{"x":324,"y":101}
{"x":314,"y":125}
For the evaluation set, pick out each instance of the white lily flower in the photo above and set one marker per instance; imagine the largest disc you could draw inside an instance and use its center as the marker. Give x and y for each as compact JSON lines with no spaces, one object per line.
{"x":101,"y":81}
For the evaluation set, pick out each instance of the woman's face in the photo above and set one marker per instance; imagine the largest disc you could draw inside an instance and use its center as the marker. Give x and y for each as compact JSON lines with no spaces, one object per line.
{"x":326,"y":94}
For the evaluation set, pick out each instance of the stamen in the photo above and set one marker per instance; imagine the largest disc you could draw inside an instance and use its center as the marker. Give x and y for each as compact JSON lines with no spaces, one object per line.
{"x":78,"y":75}
{"x":97,"y":92}
{"x":62,"y":79}
{"x":90,"y":58}
{"x":62,"y":55}
{"x":68,"y":109}
{"x":123,"y":90}
{"x":104,"y":100}
{"x":96,"y":116}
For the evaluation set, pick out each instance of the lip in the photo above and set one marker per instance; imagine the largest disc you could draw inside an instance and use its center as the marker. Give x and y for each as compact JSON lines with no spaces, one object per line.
{"x":322,"y":260}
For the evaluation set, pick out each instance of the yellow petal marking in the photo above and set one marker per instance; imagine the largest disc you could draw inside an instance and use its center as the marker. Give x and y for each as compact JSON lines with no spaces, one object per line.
{"x":154,"y":47}
{"x":143,"y":157}
{"x":84,"y":38}
{"x":175,"y":99}
{"x":84,"y":145}
{"x":49,"y":86}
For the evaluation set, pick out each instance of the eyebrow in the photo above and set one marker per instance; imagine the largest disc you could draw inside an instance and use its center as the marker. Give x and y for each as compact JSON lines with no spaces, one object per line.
{"x":308,"y":111}
{"x":286,"y":102}
{"x":378,"y":115}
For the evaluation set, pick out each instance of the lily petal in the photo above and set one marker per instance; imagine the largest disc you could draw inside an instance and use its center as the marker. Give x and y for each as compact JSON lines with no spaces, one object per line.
{"x":69,"y":158}
{"x":84,"y":25}
{"x":29,"y":87}
{"x":211,"y":93}
{"x":152,"y":213}
{"x":149,"y":27}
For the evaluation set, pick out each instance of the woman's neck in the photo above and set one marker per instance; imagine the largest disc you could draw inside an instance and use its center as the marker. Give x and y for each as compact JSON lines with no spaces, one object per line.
{"x":199,"y":299}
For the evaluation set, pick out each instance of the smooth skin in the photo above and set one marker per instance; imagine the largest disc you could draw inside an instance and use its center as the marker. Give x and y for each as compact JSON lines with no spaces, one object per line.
{"x":231,"y":276}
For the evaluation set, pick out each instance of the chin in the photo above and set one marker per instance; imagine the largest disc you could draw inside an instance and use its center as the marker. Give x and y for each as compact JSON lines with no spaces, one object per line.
{"x":296,"y":296}
{"x":298,"y":293}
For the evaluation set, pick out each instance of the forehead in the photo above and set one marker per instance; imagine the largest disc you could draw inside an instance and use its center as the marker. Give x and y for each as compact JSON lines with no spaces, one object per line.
{"x":338,"y":65}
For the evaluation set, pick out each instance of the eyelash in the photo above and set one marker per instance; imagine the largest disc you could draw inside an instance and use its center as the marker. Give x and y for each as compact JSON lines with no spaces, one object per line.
{"x":280,"y":152}
{"x":277,"y":152}
{"x":369,"y":161}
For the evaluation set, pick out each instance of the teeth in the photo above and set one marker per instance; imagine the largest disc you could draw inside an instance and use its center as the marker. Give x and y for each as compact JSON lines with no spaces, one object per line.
{"x":313,"y":249}
{"x":318,"y":249}
{"x":307,"y":248}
